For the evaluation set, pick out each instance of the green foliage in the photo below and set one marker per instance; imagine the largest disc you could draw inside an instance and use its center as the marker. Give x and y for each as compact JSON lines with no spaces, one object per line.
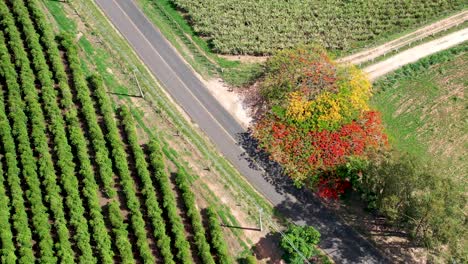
{"x":192,"y":212}
{"x":248,"y":260}
{"x":87,"y":109}
{"x":302,"y":239}
{"x":169,"y":203}
{"x":411,"y":195}
{"x":217,"y":240}
{"x":264,"y":26}
{"x":7,"y":251}
{"x":152,"y":206}
{"x":119,"y":228}
{"x":20,"y":218}
{"x":301,"y":68}
{"x":17,"y":107}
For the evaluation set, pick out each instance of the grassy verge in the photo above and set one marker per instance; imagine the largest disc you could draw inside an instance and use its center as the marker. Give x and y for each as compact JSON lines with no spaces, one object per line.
{"x":423,"y":107}
{"x":106,"y":52}
{"x":195,"y":49}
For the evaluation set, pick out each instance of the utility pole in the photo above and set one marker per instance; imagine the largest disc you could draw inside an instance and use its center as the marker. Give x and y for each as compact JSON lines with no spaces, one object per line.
{"x":138,"y":84}
{"x":260,"y":216}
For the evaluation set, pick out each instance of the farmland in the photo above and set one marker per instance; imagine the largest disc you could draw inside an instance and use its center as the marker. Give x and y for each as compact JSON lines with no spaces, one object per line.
{"x":76,"y":182}
{"x":424,"y":112}
{"x":261,"y":27}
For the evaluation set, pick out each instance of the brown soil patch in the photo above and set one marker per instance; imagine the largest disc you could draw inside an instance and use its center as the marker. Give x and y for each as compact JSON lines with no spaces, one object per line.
{"x":245,"y":58}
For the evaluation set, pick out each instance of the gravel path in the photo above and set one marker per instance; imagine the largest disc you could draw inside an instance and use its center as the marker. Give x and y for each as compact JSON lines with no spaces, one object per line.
{"x":416,"y":53}
{"x":407,"y":39}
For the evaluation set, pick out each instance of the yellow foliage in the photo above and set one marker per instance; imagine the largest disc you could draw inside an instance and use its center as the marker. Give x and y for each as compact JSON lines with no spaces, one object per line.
{"x":359,"y":88}
{"x":298,"y":108}
{"x":329,"y":108}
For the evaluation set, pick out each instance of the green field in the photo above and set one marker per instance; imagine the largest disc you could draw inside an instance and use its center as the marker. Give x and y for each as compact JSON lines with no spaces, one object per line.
{"x":79,"y":181}
{"x":261,"y":27}
{"x":425,"y":114}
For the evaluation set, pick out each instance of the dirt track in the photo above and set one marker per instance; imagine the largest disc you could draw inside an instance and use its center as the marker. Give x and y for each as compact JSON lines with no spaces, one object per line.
{"x":398,"y":43}
{"x":416,"y":53}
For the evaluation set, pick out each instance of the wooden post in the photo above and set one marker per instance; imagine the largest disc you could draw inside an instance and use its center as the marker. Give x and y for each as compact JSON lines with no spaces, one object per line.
{"x":260,"y":214}
{"x":138,"y":84}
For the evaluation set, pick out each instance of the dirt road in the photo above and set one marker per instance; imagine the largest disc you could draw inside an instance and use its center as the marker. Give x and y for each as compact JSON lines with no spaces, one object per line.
{"x":416,"y":53}
{"x":398,"y":43}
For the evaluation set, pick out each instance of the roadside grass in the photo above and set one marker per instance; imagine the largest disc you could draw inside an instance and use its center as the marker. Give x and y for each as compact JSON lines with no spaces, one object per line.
{"x":119,"y":65}
{"x":425,"y":115}
{"x":195,"y":49}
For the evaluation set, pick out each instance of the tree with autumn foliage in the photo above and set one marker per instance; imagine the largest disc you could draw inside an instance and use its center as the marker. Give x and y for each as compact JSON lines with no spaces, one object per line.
{"x":319,"y":119}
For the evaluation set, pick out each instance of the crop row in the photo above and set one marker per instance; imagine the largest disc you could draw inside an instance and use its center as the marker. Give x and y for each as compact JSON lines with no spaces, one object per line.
{"x":18,"y":214}
{"x":119,"y":228}
{"x":152,"y":206}
{"x":119,"y":157}
{"x":62,"y":147}
{"x":17,"y":107}
{"x":120,"y":160}
{"x":263,"y":26}
{"x":7,"y":252}
{"x":169,"y":203}
{"x":194,"y":215}
{"x":77,"y":138}
{"x":217,"y":239}
{"x":88,"y":111}
{"x":64,"y":152}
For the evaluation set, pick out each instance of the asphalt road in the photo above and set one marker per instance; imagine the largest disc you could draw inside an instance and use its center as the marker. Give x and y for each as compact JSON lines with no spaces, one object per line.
{"x":177,"y":78}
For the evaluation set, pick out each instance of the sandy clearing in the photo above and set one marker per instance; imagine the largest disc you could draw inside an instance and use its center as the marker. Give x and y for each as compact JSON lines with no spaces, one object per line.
{"x":230,"y":100}
{"x":416,"y":53}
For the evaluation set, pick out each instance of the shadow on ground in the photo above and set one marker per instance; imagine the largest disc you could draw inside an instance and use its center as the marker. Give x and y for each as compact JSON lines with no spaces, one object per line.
{"x":302,"y":207}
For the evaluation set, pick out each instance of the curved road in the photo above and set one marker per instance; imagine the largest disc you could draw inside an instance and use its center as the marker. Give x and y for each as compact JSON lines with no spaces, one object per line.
{"x":339,"y":240}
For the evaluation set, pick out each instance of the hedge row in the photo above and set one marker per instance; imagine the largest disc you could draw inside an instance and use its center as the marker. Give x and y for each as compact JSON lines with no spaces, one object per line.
{"x":119,"y":228}
{"x":192,"y":212}
{"x":40,"y":217}
{"x":88,"y":111}
{"x":98,"y":142}
{"x":46,"y":167}
{"x":63,"y":148}
{"x":7,"y":251}
{"x":169,"y":203}
{"x":152,"y":207}
{"x":133,"y":204}
{"x":19,"y":216}
{"x":121,"y":164}
{"x":217,"y":239}
{"x":120,"y":161}
{"x":77,"y":137}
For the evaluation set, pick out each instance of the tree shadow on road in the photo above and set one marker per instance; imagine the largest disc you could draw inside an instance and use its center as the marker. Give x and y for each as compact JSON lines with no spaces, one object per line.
{"x":303,"y":207}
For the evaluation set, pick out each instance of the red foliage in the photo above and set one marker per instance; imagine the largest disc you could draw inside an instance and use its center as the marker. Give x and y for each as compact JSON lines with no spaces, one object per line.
{"x":332,"y":188}
{"x":307,"y":153}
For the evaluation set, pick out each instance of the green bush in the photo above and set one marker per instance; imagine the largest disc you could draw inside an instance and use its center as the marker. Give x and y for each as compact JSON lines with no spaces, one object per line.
{"x":411,"y":195}
{"x":302,"y":239}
